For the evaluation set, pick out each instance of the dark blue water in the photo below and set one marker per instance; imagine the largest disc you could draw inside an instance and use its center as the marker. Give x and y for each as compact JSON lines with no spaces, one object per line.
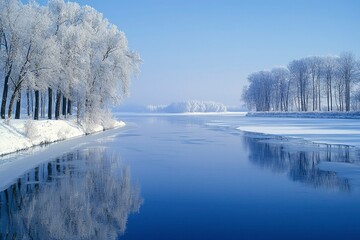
{"x":185,"y":177}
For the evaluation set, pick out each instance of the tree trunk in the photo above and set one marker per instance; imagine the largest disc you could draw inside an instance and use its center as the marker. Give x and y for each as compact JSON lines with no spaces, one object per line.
{"x":69,"y":107}
{"x":78,"y":112}
{"x":50,"y":103}
{"x":43,"y":100}
{"x":58,"y":104}
{"x":347,"y":95}
{"x":31,"y":103}
{"x":327,"y":98}
{"x":287,"y":97}
{"x":331,"y":101}
{"x":28,"y":101}
{"x":18,"y":106}
{"x":5,"y":94}
{"x":37,"y":105}
{"x":11,"y":104}
{"x":319,"y":93}
{"x":64,"y":106}
{"x":314,"y":97}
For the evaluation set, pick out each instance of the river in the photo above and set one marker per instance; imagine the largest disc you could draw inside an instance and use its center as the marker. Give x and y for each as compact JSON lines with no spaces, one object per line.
{"x":184,"y":177}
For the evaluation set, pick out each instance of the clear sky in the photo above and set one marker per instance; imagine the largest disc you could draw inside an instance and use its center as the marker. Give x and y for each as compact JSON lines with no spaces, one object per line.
{"x":204,"y":50}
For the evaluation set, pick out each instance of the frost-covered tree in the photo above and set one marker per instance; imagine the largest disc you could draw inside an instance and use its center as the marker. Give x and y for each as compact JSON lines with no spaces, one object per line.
{"x":281,"y":91}
{"x":27,"y":47}
{"x":10,"y":42}
{"x":258,"y":94}
{"x":348,"y":73}
{"x":70,"y":37}
{"x":96,"y":64}
{"x":314,"y":64}
{"x":189,"y":106}
{"x":111,"y":64}
{"x":329,"y":72}
{"x":66,"y":50}
{"x":299,"y":73}
{"x":305,"y":84}
{"x":45,"y":61}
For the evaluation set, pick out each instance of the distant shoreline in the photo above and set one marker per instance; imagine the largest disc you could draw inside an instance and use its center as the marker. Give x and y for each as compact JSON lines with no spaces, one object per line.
{"x":328,"y":115}
{"x":179,"y":114}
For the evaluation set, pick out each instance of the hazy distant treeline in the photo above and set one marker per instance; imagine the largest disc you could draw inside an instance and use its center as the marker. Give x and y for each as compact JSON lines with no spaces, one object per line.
{"x":188,"y":106}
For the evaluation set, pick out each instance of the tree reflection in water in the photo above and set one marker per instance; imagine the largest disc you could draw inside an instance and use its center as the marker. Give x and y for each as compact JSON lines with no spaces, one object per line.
{"x":300,"y":162}
{"x":84,"y":195}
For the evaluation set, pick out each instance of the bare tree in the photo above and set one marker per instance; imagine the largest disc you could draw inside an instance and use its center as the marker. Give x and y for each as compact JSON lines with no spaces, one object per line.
{"x":315,"y":66}
{"x":307,"y":80}
{"x":300,"y":74}
{"x":347,"y":71}
{"x":329,"y":72}
{"x":259,"y":91}
{"x":281,"y":80}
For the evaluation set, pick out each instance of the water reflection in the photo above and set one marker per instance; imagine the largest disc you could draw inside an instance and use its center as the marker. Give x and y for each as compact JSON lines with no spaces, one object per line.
{"x":300,"y":162}
{"x":87,"y":194}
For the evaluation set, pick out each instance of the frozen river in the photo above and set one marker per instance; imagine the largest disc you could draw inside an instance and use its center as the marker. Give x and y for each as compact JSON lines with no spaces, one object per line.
{"x":185,"y":177}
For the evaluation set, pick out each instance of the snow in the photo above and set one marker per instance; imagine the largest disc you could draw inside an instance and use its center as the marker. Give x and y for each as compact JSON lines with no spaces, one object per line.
{"x":11,"y":140}
{"x":327,"y":131}
{"x":17,"y":135}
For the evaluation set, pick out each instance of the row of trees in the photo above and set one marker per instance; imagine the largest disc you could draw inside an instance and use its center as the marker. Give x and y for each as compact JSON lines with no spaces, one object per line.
{"x":61,"y":56}
{"x":308,"y":84}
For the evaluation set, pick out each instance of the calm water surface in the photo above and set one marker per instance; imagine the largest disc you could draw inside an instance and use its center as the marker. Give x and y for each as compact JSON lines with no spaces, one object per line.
{"x":185,"y":177}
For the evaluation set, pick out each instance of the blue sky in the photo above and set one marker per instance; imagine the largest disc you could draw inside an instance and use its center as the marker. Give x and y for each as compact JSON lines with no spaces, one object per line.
{"x":195,"y":49}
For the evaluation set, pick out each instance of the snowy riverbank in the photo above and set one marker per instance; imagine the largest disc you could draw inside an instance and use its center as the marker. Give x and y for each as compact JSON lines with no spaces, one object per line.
{"x":23,"y":134}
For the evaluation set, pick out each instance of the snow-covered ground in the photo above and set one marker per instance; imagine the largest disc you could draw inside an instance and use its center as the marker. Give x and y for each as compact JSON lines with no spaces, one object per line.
{"x":22,"y":134}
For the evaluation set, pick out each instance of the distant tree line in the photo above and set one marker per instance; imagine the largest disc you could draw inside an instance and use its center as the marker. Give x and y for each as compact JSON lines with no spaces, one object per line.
{"x":61,"y":57}
{"x":188,"y":106}
{"x":308,"y":84}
